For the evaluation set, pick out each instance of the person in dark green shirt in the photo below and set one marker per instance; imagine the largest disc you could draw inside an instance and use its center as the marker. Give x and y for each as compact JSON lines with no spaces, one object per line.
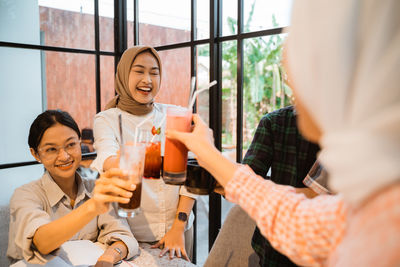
{"x":279,"y":147}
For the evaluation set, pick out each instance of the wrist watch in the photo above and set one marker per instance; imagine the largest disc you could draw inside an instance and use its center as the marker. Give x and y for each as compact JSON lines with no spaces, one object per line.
{"x":120,"y":256}
{"x":182,"y":216}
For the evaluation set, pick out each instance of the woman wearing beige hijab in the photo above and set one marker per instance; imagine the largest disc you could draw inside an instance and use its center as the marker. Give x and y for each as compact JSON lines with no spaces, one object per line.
{"x":137,"y":82}
{"x":343,"y":58}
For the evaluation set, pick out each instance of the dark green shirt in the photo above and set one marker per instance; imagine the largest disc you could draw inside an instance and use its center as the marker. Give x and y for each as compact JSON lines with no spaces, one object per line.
{"x":277,"y":144}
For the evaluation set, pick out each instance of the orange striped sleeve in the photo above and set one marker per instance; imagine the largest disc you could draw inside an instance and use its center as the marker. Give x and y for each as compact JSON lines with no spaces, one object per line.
{"x":305,"y":230}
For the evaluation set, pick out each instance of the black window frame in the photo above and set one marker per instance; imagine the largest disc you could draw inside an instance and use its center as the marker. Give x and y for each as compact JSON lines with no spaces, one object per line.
{"x":214,"y":41}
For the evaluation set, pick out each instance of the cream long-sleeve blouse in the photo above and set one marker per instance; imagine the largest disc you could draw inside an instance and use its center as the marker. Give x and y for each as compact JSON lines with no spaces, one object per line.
{"x":42,"y":201}
{"x":159,"y":200}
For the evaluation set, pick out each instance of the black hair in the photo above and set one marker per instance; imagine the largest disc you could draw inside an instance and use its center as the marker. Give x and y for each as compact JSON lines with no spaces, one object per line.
{"x":84,"y":149}
{"x":46,"y":120}
{"x":87,"y":134}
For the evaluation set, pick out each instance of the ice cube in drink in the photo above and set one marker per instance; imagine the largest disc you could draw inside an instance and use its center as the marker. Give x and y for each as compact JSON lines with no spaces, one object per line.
{"x":132,"y":160}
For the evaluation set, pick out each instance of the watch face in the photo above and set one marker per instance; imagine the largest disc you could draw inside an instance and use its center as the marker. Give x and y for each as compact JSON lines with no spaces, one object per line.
{"x":182,"y":216}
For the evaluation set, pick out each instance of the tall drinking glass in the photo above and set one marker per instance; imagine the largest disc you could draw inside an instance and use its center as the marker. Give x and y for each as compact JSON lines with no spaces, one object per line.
{"x":176,"y":153}
{"x":153,"y":161}
{"x":198,"y":180}
{"x":132,"y":161}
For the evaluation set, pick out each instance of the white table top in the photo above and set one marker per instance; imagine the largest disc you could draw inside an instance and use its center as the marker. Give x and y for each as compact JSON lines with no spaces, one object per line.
{"x":148,"y":257}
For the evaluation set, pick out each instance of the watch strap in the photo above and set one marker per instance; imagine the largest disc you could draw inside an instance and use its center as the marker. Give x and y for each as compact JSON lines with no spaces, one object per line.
{"x":120,"y":255}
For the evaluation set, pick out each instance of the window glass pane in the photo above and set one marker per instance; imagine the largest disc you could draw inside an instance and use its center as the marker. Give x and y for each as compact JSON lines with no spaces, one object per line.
{"x":202,"y":204}
{"x":70,"y":85}
{"x":68,"y":27}
{"x":261,"y":15}
{"x":175,"y":80}
{"x":67,"y":23}
{"x":106,"y":25}
{"x":20,"y":103}
{"x":46,"y":80}
{"x":13,"y":178}
{"x":203,"y":106}
{"x":229,"y":101}
{"x":20,"y":100}
{"x":229,"y":17}
{"x":264,"y":86}
{"x":107,"y":77}
{"x":19,"y":21}
{"x":164,"y":22}
{"x":203,"y":79}
{"x":47,"y":22}
{"x":229,"y":108}
{"x":203,"y":19}
{"x":225,"y":208}
{"x":129,"y":18}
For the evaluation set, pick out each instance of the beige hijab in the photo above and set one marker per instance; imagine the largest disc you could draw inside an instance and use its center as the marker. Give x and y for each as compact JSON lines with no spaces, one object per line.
{"x":124,"y":100}
{"x":344,"y":57}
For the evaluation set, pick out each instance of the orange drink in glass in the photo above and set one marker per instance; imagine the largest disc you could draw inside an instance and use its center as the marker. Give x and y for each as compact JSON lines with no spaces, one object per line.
{"x":175,"y":158}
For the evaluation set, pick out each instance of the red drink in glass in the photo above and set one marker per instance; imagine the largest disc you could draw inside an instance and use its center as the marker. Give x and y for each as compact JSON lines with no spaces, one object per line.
{"x":152,"y":163}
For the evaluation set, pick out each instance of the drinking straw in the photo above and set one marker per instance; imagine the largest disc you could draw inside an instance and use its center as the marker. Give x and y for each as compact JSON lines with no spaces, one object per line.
{"x":190,"y":106}
{"x":120,"y":134}
{"x":192,"y":99}
{"x":192,"y":86}
{"x":120,"y":128}
{"x":137,"y":128}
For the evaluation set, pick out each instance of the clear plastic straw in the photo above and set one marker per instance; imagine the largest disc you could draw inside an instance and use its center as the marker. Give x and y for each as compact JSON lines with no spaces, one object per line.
{"x":192,"y":86}
{"x":137,"y":128}
{"x":190,"y":106}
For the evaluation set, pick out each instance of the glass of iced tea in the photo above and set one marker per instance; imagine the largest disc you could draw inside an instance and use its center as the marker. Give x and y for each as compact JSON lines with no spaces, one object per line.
{"x":153,"y":161}
{"x":176,"y":153}
{"x":132,"y":160}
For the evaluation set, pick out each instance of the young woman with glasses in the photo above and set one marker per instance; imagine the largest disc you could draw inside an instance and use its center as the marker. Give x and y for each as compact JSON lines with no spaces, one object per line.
{"x":61,"y":206}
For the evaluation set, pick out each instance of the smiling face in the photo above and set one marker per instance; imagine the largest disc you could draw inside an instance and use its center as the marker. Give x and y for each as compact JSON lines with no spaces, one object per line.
{"x":144,"y":78}
{"x":59,"y":151}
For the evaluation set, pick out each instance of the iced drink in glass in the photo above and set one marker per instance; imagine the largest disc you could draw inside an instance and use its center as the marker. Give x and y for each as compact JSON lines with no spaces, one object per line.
{"x":132,"y":160}
{"x":152,"y":167}
{"x":175,"y":158}
{"x":153,"y":160}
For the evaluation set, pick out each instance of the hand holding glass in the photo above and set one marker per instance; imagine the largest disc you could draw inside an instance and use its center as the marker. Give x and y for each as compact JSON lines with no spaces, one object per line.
{"x":132,"y":161}
{"x":175,"y":158}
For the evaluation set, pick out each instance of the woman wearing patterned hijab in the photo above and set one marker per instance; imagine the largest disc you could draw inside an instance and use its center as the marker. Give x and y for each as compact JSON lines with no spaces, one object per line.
{"x":343,"y":58}
{"x":137,"y":82}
